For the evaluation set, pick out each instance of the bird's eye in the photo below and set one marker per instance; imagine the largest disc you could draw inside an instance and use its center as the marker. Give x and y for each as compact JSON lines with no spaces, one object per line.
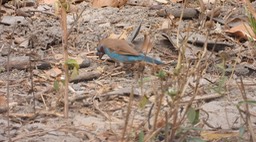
{"x":100,"y":48}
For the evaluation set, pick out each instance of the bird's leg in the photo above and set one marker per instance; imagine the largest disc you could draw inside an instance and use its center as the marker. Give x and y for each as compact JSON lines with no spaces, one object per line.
{"x":120,"y":64}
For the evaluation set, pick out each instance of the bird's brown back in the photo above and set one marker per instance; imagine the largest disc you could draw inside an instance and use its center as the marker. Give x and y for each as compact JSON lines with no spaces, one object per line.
{"x":119,"y":46}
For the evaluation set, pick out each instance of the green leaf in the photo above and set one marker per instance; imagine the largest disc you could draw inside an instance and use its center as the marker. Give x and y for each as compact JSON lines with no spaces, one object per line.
{"x":193,"y":115}
{"x":252,"y":22}
{"x":184,"y":130}
{"x":241,"y":131}
{"x":220,"y":88}
{"x":161,"y":74}
{"x":172,"y":92}
{"x":143,"y":102}
{"x":56,"y":85}
{"x":195,"y":140}
{"x":221,"y":66}
{"x":145,"y":79}
{"x":74,"y":73}
{"x":72,"y":63}
{"x":223,"y":81}
{"x":141,"y":136}
{"x":252,"y":102}
{"x":2,"y":69}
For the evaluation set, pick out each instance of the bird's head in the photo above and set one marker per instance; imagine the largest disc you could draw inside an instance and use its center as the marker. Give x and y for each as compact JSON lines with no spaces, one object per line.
{"x":100,"y":51}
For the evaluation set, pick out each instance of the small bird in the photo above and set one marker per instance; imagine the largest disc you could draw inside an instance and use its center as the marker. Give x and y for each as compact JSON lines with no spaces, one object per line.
{"x":122,"y":51}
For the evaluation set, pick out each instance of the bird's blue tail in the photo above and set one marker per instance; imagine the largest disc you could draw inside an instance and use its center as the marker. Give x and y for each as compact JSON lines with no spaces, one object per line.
{"x":150,"y":60}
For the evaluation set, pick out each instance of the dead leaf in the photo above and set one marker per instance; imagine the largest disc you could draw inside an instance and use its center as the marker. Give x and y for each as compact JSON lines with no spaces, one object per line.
{"x":105,"y":3}
{"x":176,"y":1}
{"x":54,"y":72}
{"x":168,"y":22}
{"x":161,"y":123}
{"x":216,"y":12}
{"x":24,"y":44}
{"x":19,"y":40}
{"x":236,"y":20}
{"x":209,"y":1}
{"x":214,"y":135}
{"x":165,"y":24}
{"x":3,"y":102}
{"x":122,"y":36}
{"x":2,"y":82}
{"x":243,"y":31}
{"x":121,"y":91}
{"x":58,"y":56}
{"x":147,"y":44}
{"x":162,"y":1}
{"x":51,"y":2}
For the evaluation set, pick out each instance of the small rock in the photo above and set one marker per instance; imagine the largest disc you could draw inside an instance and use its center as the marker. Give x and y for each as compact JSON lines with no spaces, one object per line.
{"x":25,"y":3}
{"x":24,"y":44}
{"x":76,"y":86}
{"x":11,"y":20}
{"x":1,"y":132}
{"x":30,"y":2}
{"x":86,"y":63}
{"x":121,"y":25}
{"x":2,"y":138}
{"x":44,"y":66}
{"x":43,"y":7}
{"x":70,"y":20}
{"x":105,"y":25}
{"x":4,"y":51}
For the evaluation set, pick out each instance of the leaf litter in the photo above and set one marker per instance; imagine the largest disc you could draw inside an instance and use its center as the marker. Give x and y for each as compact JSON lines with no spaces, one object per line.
{"x":99,"y":95}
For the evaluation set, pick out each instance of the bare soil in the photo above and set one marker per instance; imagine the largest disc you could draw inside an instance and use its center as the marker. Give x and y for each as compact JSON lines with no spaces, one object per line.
{"x":98,"y":104}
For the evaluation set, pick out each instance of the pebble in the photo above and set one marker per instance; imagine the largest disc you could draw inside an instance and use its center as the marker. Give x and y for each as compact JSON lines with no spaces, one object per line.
{"x":11,"y":20}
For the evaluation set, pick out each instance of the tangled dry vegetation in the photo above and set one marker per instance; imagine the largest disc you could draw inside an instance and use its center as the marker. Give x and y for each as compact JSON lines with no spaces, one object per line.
{"x":204,"y":91}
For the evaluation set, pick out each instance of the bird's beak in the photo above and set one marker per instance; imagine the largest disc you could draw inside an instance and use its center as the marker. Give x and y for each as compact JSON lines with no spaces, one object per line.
{"x":100,"y":54}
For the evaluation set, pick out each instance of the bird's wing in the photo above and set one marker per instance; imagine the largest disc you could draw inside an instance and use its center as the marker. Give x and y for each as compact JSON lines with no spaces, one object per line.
{"x":126,"y":50}
{"x":119,"y":46}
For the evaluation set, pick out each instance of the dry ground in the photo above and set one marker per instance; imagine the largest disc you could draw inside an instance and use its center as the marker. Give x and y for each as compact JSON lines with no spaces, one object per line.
{"x":98,"y":105}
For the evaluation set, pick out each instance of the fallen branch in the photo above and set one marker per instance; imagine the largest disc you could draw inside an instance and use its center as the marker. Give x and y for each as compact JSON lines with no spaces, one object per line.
{"x":85,"y":76}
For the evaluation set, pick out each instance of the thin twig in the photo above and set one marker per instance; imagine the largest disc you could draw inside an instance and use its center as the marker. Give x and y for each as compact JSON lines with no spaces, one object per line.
{"x":248,"y":116}
{"x":44,"y":12}
{"x":182,"y":49}
{"x":159,"y":104}
{"x":8,"y":93}
{"x":166,"y":126}
{"x":65,"y":52}
{"x":31,"y":134}
{"x":31,"y":45}
{"x":8,"y":83}
{"x":128,"y":114}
